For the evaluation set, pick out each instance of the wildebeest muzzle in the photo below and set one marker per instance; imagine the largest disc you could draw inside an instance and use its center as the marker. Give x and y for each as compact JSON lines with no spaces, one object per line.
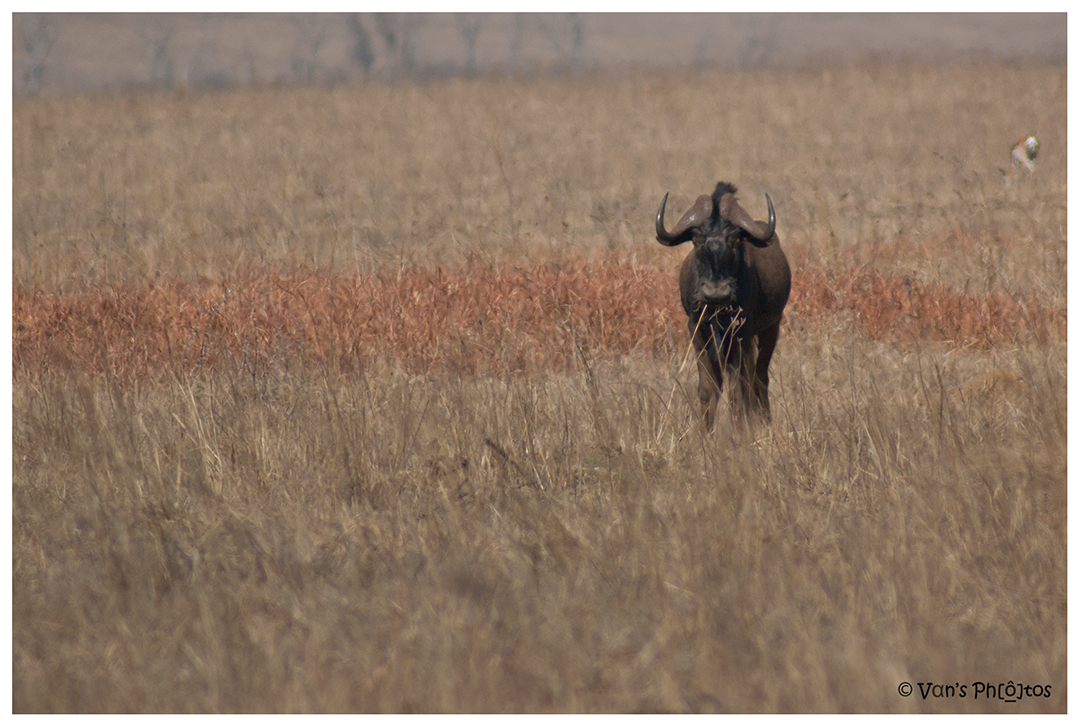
{"x":715,"y":297}
{"x":718,"y":293}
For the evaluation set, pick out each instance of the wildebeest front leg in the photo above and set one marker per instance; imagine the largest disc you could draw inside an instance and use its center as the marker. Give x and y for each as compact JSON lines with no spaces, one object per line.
{"x":739,"y":355}
{"x":710,"y":380}
{"x":766,"y":345}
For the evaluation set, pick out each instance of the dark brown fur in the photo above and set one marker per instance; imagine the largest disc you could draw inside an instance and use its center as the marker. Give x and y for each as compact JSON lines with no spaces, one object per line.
{"x":734,"y":286}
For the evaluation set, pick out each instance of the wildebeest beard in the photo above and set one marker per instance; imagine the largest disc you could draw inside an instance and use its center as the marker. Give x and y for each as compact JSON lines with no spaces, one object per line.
{"x":723,"y":322}
{"x":721,"y":325}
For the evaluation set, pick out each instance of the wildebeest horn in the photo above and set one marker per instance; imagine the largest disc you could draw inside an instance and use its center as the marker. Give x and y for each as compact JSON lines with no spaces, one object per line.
{"x":731,"y":210}
{"x":684,"y":228}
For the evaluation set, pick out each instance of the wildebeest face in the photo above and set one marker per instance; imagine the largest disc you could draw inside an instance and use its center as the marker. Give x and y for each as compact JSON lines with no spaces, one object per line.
{"x":716,"y":258}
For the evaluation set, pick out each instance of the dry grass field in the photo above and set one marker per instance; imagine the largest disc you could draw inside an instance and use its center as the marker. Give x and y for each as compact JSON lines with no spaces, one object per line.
{"x":376,"y":399}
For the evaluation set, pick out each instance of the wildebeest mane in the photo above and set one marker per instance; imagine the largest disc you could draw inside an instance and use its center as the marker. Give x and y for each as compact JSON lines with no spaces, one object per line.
{"x":722,"y":188}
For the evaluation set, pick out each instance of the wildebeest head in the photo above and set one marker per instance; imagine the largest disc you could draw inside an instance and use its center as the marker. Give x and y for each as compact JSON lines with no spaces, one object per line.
{"x":716,"y":225}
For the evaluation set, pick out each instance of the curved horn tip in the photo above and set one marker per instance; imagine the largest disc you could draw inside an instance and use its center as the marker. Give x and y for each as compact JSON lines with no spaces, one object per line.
{"x":660,"y":213}
{"x":771,"y":229}
{"x":662,"y":235}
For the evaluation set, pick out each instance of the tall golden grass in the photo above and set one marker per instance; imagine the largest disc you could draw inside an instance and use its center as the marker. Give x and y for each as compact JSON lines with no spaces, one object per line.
{"x":377,"y":400}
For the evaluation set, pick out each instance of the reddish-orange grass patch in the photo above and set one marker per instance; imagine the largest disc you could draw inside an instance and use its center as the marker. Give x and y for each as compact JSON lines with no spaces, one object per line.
{"x":479,"y":318}
{"x":900,"y":309}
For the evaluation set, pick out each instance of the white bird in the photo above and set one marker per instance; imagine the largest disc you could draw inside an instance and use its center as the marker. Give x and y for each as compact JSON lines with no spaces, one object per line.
{"x":1024,"y":152}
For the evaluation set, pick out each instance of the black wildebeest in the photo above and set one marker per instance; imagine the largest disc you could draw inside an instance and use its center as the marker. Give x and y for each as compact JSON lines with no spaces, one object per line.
{"x":734,"y":286}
